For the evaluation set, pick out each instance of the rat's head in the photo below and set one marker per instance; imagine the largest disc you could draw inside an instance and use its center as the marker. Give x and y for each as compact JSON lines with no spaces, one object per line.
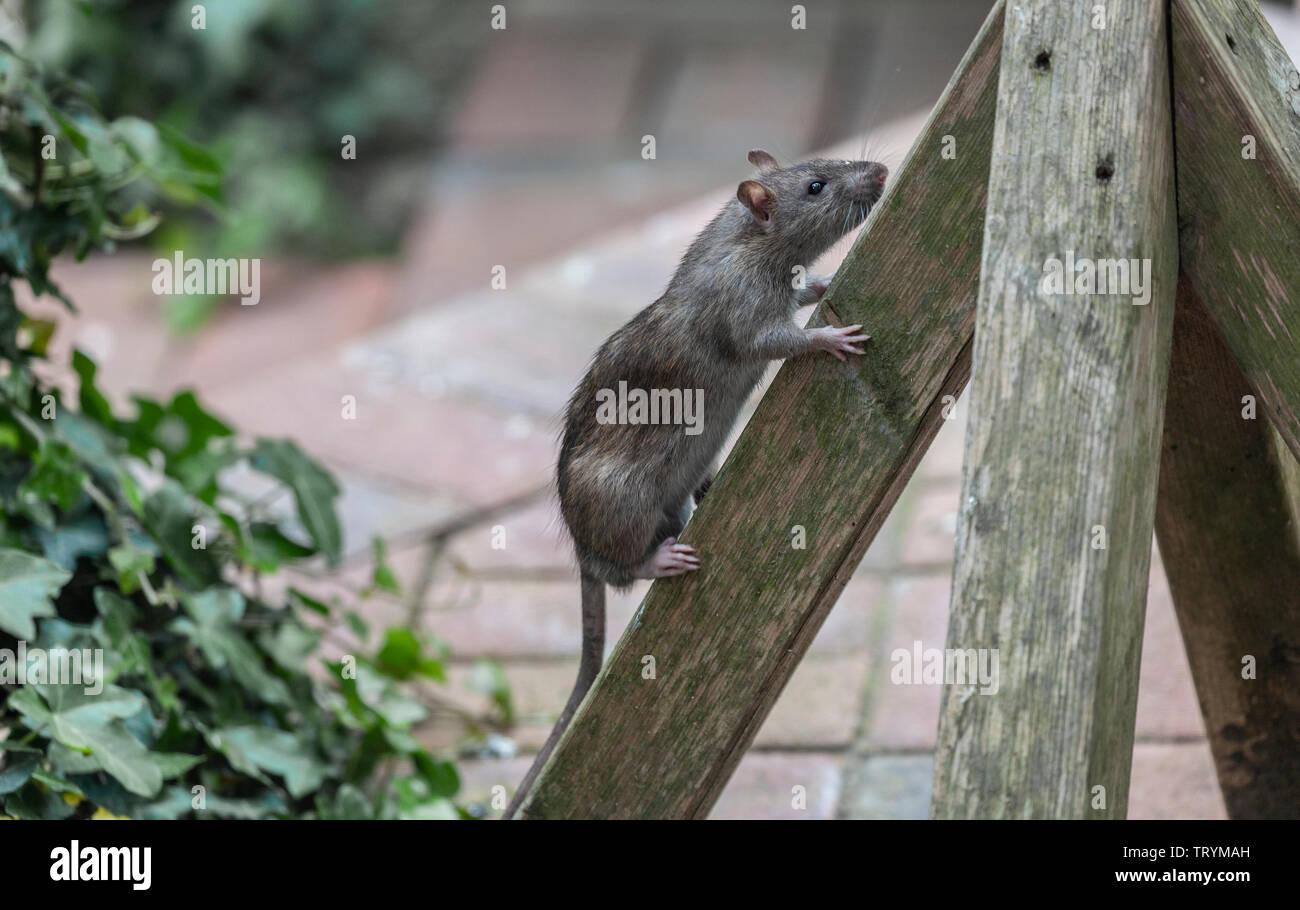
{"x":813,"y":204}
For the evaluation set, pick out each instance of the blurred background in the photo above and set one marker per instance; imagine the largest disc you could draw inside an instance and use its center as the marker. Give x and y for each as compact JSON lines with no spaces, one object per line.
{"x":517,"y":153}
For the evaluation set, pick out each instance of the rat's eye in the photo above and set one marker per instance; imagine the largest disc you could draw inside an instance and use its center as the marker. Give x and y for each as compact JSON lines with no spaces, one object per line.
{"x":815,"y":187}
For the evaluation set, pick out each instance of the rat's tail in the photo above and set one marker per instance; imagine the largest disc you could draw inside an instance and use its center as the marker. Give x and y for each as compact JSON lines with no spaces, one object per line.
{"x":593,"y":651}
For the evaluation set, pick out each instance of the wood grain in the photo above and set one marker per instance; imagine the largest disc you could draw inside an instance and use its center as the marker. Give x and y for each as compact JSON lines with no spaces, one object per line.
{"x":829,"y":449}
{"x":1228,"y":523}
{"x":1065,"y":420}
{"x":1239,"y":217}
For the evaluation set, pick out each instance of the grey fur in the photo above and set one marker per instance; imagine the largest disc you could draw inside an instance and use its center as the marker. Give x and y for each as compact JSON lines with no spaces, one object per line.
{"x":626,"y":488}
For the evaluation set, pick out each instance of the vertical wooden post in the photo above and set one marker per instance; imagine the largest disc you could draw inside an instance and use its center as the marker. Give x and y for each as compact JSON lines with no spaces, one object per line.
{"x":1228,"y":522}
{"x":1054,"y":534}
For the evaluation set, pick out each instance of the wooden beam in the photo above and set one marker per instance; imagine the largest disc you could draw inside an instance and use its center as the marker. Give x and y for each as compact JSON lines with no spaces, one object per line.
{"x":828,"y":452}
{"x":1228,"y":522}
{"x":1064,"y":432}
{"x":1237,"y":94}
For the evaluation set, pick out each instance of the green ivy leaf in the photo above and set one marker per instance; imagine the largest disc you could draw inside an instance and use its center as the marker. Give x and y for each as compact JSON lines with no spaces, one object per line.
{"x":93,"y":404}
{"x":28,"y":585}
{"x":66,"y":542}
{"x":399,"y":656}
{"x":290,"y":645}
{"x":181,"y":430}
{"x":18,"y":770}
{"x":198,"y":473}
{"x":56,"y":476}
{"x":314,"y":491}
{"x":383,"y":578}
{"x":42,"y":330}
{"x":277,"y":752}
{"x":56,"y":783}
{"x":266,"y":547}
{"x":174,"y":764}
{"x":189,"y":167}
{"x":440,"y":775}
{"x":379,"y":695}
{"x":115,"y":630}
{"x":67,"y":761}
{"x":264,"y":806}
{"x":140,"y":138}
{"x":130,"y":563}
{"x":311,"y":603}
{"x":351,"y":803}
{"x":96,"y":723}
{"x":35,"y":802}
{"x":488,"y":677}
{"x":360,"y":628}
{"x":212,"y":628}
{"x":170,"y":516}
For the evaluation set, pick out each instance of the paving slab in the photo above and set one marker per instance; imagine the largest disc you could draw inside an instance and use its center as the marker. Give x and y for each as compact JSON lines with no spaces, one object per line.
{"x":887,"y":787}
{"x":927,"y":543}
{"x":782,"y":786}
{"x":1167,"y":706}
{"x":1174,"y":781}
{"x":817,"y":709}
{"x":942,"y":461}
{"x":468,"y":452}
{"x":904,"y":715}
{"x":310,"y":309}
{"x":763,"y":787}
{"x":542,"y":618}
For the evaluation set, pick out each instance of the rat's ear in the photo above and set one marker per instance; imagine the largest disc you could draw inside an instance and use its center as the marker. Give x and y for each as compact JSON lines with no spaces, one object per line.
{"x":762,"y":160}
{"x":758,"y":199}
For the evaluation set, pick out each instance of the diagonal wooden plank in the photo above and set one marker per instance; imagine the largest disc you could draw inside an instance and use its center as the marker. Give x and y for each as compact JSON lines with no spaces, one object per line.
{"x":1237,"y":136}
{"x":828,"y":451}
{"x":1058,"y":490}
{"x":1228,"y":522}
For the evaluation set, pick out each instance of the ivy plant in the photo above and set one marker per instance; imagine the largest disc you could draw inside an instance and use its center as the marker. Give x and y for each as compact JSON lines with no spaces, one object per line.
{"x":123,"y":545}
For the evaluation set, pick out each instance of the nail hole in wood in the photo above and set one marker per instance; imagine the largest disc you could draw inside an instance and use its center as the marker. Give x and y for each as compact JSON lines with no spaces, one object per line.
{"x":1043,"y":62}
{"x":1106,"y":168}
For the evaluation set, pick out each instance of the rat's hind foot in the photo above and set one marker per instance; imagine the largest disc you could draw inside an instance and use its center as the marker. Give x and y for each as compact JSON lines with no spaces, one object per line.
{"x":670,"y":558}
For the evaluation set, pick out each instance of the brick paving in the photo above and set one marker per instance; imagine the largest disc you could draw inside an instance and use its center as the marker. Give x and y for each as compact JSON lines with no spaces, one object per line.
{"x":458,"y":386}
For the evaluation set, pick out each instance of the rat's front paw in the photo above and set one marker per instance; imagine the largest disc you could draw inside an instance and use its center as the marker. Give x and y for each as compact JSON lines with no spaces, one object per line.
{"x":839,"y":341}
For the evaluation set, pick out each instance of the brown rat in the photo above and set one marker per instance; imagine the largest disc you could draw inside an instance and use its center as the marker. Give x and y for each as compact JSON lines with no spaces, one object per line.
{"x":625,"y":487}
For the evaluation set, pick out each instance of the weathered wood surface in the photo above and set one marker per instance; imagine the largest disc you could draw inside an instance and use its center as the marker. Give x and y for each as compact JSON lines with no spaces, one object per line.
{"x":1239,"y":217}
{"x":1228,"y":523}
{"x":829,"y":449}
{"x":1064,"y":431}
